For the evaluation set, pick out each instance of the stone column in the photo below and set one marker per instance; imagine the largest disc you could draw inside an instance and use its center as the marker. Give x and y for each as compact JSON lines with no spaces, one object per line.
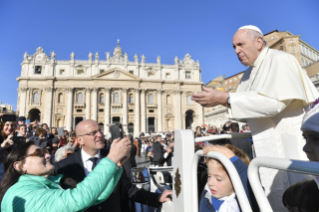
{"x":178,"y":109}
{"x":94,"y":109}
{"x":125,"y":127}
{"x":159,"y":111}
{"x":137,"y":112}
{"x":88,"y":103}
{"x":70,"y":108}
{"x":48,"y":106}
{"x":23,"y":101}
{"x":143,"y":112}
{"x":107,"y":111}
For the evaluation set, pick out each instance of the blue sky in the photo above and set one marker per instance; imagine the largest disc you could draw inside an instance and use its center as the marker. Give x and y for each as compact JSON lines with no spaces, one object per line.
{"x":166,"y":28}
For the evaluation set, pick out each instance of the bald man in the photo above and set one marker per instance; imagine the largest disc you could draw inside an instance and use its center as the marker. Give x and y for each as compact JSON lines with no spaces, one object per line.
{"x":80,"y":164}
{"x":271,"y":97}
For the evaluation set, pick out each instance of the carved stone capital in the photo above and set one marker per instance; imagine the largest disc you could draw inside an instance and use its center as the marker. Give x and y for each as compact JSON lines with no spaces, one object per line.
{"x":107,"y":89}
{"x":160,"y":91}
{"x":125,"y":90}
{"x":95,"y":89}
{"x":69,"y":90}
{"x":178,"y":92}
{"x":48,"y":89}
{"x":143,"y":90}
{"x":88,"y":89}
{"x":168,"y":91}
{"x":24,"y":89}
{"x":136,"y":90}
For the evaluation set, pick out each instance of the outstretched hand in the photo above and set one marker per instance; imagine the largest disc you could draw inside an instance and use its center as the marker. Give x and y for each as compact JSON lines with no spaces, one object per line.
{"x":211,"y":97}
{"x":120,"y":150}
{"x":8,"y":142}
{"x":165,"y":196}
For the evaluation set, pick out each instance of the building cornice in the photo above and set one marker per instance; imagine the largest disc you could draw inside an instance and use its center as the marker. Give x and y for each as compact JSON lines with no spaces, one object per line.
{"x":283,"y":38}
{"x":101,"y":79}
{"x":303,"y":42}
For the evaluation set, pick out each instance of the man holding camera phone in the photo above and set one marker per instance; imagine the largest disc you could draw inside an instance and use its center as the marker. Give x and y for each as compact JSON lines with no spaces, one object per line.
{"x":80,"y":164}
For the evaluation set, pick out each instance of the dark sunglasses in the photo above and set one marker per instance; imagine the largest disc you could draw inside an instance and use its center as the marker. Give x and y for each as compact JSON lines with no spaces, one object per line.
{"x":38,"y":153}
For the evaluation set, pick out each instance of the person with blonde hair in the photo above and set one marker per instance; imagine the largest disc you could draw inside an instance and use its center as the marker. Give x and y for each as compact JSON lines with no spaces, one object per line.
{"x":219,"y":194}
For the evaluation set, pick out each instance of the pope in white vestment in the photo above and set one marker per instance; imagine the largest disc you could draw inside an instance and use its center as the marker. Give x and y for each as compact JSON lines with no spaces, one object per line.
{"x":272,"y":96}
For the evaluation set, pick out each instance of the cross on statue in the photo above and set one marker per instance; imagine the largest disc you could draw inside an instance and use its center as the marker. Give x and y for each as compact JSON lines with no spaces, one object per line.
{"x":118,"y":41}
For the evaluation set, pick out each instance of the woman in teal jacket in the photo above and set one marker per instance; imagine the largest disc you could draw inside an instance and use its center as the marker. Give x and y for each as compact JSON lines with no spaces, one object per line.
{"x":28,"y":186}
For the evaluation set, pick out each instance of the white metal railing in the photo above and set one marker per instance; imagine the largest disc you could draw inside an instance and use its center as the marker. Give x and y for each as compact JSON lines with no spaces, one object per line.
{"x":235,"y":179}
{"x":305,"y":167}
{"x":223,"y":136}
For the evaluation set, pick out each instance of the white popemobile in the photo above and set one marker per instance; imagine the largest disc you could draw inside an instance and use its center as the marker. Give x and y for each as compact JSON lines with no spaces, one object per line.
{"x":182,"y":177}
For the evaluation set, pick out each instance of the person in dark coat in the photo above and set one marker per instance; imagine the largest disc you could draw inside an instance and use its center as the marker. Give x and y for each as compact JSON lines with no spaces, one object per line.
{"x":139,"y":146}
{"x":158,"y":151}
{"x":169,"y":154}
{"x":241,"y":143}
{"x":80,"y":164}
{"x":131,"y":162}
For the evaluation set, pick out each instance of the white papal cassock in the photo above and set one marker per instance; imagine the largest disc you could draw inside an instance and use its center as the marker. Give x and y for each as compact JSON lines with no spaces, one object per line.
{"x":272,"y":97}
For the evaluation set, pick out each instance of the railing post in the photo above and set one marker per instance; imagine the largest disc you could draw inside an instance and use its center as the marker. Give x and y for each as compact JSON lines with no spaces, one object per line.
{"x":183,"y":155}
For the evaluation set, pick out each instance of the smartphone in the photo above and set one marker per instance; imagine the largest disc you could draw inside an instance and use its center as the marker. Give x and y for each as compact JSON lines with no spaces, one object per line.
{"x":61,"y":132}
{"x":19,"y":140}
{"x":37,"y":141}
{"x":9,"y":117}
{"x":116,"y":131}
{"x":27,"y":121}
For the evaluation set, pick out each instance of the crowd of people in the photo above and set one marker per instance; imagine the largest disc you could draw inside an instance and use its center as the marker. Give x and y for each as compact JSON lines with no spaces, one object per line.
{"x":55,"y":155}
{"x":52,"y":148}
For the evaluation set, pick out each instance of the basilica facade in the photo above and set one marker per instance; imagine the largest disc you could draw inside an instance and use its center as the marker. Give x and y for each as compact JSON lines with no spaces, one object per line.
{"x":144,"y":97}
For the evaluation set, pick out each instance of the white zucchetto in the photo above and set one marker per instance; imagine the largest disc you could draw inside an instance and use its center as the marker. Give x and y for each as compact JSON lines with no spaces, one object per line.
{"x":310,"y":121}
{"x":252,"y":28}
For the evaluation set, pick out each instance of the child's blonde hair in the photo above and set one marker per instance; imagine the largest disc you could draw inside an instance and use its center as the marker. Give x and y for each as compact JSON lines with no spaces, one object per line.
{"x":238,"y":152}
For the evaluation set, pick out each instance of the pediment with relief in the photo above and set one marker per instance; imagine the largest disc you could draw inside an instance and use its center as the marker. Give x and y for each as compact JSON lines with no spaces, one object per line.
{"x":116,"y":73}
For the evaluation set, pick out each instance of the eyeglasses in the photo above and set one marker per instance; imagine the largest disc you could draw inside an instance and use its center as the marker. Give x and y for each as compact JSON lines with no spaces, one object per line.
{"x":38,"y":153}
{"x":93,"y":133}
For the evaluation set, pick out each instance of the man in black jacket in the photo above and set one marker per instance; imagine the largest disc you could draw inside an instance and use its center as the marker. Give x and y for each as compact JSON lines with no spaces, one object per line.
{"x":158,"y":151}
{"x":80,"y":164}
{"x":241,"y":143}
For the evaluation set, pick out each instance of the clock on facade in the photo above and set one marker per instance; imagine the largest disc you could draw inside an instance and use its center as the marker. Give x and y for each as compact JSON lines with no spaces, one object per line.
{"x":188,"y":63}
{"x":39,"y":57}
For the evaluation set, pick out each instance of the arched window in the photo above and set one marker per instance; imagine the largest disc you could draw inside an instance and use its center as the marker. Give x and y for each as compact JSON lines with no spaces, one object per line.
{"x":168,"y":100}
{"x":101,"y":98}
{"x":36,"y":97}
{"x":189,"y":99}
{"x":130,"y":98}
{"x":150,"y":99}
{"x":60,"y":98}
{"x":116,"y":98}
{"x":101,"y":126}
{"x":79,"y":98}
{"x":130,"y":128}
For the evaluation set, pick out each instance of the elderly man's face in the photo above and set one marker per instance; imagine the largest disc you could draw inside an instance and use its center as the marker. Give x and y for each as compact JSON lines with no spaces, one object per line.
{"x":246,"y":47}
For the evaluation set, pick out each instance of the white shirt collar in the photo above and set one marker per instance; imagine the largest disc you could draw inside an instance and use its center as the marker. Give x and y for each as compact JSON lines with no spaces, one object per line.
{"x":260,"y":57}
{"x":86,"y":156}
